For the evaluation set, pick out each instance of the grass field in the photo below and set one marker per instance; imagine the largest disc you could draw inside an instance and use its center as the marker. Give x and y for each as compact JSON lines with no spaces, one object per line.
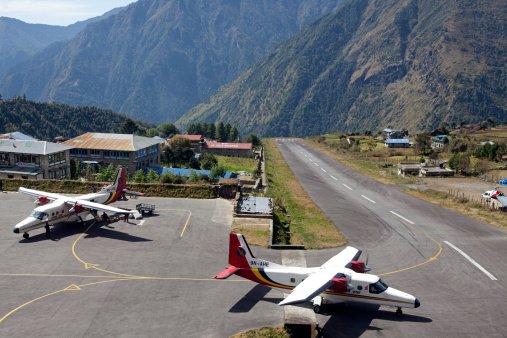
{"x":237,"y":164}
{"x":265,"y":332}
{"x":309,"y":226}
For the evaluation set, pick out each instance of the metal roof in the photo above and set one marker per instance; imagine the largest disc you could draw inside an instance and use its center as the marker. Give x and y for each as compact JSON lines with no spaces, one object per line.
{"x":227,"y":145}
{"x":31,"y":147}
{"x":397,"y":140}
{"x":255,"y":205}
{"x":190,"y":137}
{"x":104,"y":141}
{"x":16,"y":135}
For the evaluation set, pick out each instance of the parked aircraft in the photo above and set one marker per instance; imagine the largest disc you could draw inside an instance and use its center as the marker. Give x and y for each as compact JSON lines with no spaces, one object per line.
{"x":496,"y":194}
{"x":340,"y":279}
{"x":55,"y":208}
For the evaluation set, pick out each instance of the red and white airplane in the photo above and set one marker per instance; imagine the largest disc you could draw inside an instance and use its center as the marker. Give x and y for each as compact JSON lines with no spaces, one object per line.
{"x":340,"y":279}
{"x":55,"y":208}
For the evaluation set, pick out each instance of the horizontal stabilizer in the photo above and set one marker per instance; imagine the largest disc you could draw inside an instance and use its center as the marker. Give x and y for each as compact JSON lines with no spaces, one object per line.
{"x":230,"y":270}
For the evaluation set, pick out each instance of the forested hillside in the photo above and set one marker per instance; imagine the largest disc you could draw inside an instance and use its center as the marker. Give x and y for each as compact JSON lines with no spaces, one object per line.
{"x":375,"y":64}
{"x":157,"y":58}
{"x":46,"y":121}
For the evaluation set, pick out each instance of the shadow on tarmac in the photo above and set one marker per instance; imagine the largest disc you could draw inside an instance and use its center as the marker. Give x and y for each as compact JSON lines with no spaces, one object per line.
{"x":67,"y":229}
{"x":353,"y":319}
{"x":249,"y":300}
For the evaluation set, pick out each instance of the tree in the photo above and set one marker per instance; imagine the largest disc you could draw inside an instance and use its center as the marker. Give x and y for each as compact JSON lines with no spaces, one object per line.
{"x":139,"y":176}
{"x":151,"y":132}
{"x":254,"y":140}
{"x":208,"y":161}
{"x":227,"y":133}
{"x":180,"y":150}
{"x":152,"y":176}
{"x":211,"y":131}
{"x":167,"y":130}
{"x":422,"y":144}
{"x":460,"y":162}
{"x":218,"y":171}
{"x":221,"y":136}
{"x":234,"y":135}
{"x":129,"y":126}
{"x":106,"y":174}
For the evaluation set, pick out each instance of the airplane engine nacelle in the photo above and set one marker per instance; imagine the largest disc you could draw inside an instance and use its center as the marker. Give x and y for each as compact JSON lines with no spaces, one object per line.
{"x":77,"y":208}
{"x":358,"y":266}
{"x":339,"y":285}
{"x":41,"y":200}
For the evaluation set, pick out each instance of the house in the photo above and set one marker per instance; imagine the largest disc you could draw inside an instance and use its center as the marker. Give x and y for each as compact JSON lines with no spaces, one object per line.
{"x":32,"y":159}
{"x":398,"y":143}
{"x":195,"y":140}
{"x":130,"y":151}
{"x":439,"y":141}
{"x":228,"y":149}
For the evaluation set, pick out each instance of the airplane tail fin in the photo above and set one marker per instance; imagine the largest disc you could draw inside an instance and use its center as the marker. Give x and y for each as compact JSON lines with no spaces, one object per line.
{"x":118,"y":187}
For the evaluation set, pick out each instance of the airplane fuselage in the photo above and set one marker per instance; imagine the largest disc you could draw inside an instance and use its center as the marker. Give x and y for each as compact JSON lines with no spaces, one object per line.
{"x":361,"y":287}
{"x":59,"y":211}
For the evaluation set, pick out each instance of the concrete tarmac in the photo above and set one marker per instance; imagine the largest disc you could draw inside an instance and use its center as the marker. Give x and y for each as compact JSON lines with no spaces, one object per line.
{"x":149,"y":278}
{"x":414,"y":246}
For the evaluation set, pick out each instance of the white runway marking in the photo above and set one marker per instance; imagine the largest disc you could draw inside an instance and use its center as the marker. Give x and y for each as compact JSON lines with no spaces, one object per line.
{"x":346,"y":186}
{"x":324,"y":170}
{"x":316,"y":164}
{"x":403,"y":218}
{"x":334,"y":178}
{"x":477,"y":265}
{"x":369,"y":199}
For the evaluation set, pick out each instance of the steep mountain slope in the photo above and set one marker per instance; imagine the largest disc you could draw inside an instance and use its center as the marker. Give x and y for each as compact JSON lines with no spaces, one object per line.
{"x":20,"y":40}
{"x":47,"y":120}
{"x":373,"y":64}
{"x":158,"y":58}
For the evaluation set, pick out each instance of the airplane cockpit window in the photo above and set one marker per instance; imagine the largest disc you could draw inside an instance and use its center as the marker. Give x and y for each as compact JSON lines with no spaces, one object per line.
{"x":39,"y":215}
{"x":378,"y":287}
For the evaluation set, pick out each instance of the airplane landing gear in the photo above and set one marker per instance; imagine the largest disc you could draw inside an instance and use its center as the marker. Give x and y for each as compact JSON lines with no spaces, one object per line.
{"x":26,"y":235}
{"x":317,"y":304}
{"x":48,"y":232}
{"x":399,"y":313}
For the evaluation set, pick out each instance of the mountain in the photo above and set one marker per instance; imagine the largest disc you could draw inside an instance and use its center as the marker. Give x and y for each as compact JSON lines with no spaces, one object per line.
{"x":371,"y":65}
{"x":46,"y":121}
{"x":158,"y":58}
{"x":20,"y":40}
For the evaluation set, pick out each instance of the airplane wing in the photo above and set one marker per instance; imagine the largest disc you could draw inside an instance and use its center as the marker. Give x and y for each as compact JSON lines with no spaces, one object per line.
{"x":132,"y":193}
{"x":97,"y":206}
{"x":319,"y":281}
{"x":38,"y":193}
{"x":502,"y":199}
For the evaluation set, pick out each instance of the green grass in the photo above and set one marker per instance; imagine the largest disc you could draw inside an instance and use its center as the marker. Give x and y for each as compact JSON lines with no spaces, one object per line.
{"x":265,"y":332}
{"x":309,"y":226}
{"x":236,"y":164}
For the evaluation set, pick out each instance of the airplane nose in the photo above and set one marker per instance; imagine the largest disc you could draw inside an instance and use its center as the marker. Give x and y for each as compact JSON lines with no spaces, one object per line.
{"x":16,"y":230}
{"x":417,"y":303}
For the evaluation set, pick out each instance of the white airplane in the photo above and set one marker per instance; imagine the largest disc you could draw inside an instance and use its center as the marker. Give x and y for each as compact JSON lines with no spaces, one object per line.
{"x":340,"y":279}
{"x":54,"y":208}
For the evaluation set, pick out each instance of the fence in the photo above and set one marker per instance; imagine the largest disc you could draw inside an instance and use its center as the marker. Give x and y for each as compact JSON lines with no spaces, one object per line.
{"x":486,"y":203}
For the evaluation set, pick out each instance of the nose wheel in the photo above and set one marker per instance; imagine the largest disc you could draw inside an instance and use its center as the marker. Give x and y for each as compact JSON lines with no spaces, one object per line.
{"x":26,"y":235}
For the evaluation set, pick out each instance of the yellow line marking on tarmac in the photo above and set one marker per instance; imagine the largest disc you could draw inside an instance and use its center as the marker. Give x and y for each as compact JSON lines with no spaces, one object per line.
{"x":52,"y":275}
{"x":72,"y":287}
{"x":431,"y":259}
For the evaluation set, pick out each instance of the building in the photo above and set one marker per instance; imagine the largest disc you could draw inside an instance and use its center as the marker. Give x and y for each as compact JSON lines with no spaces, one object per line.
{"x":439,"y":141}
{"x":130,"y":151}
{"x":228,"y":149}
{"x":31,"y":159}
{"x":16,"y":135}
{"x":195,"y":140}
{"x":398,"y":143}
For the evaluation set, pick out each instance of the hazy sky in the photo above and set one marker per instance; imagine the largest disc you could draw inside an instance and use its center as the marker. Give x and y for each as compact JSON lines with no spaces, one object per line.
{"x":57,"y":12}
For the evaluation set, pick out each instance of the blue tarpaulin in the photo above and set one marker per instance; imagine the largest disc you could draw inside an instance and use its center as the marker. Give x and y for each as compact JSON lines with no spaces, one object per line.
{"x":184,"y":172}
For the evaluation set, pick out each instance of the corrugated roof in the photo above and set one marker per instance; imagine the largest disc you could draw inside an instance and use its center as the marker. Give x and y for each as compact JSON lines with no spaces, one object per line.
{"x":31,"y":147}
{"x":190,"y":137}
{"x":397,"y":140}
{"x":104,"y":141}
{"x":225,"y":145}
{"x":16,"y":135}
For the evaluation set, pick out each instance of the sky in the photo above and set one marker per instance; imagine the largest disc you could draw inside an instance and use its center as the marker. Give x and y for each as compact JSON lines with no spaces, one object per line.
{"x":57,"y":12}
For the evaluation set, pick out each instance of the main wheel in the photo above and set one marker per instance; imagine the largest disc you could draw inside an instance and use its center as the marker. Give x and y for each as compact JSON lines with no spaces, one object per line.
{"x":399,"y":313}
{"x":26,"y":235}
{"x":316,"y":309}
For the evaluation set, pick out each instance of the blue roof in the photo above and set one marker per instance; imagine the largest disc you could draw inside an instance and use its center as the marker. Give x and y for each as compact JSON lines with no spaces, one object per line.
{"x":397,"y":141}
{"x":184,"y":172}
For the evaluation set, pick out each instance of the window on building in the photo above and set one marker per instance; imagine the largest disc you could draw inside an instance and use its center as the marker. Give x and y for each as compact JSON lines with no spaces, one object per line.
{"x":76,"y":152}
{"x":94,"y":153}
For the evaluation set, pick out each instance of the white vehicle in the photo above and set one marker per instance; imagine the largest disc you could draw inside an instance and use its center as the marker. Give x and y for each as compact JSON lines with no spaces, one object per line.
{"x":55,"y":208}
{"x":340,"y":279}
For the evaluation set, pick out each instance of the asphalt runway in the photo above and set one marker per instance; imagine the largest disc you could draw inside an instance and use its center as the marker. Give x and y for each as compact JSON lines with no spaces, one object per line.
{"x":149,"y":278}
{"x":455,"y":265}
